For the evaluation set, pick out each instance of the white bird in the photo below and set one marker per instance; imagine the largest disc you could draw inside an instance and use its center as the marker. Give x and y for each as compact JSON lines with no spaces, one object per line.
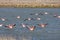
{"x":3,"y":19}
{"x":38,"y":18}
{"x":46,"y":13}
{"x":58,"y":16}
{"x":29,"y":19}
{"x":18,"y":17}
{"x":1,"y":25}
{"x":23,"y":25}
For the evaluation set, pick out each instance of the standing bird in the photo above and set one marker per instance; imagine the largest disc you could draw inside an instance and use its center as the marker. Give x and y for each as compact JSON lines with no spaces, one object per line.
{"x":10,"y":26}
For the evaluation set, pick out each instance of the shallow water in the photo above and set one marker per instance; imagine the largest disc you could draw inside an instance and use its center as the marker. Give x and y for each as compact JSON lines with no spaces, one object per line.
{"x":50,"y":32}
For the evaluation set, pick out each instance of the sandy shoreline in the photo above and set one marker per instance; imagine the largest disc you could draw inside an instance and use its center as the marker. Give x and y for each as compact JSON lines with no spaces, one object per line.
{"x":31,"y":5}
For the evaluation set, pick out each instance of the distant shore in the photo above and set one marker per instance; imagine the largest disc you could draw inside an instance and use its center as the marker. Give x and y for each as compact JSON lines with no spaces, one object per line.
{"x":31,"y":6}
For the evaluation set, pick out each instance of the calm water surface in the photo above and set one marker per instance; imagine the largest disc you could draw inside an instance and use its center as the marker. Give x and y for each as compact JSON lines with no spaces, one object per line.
{"x":50,"y":32}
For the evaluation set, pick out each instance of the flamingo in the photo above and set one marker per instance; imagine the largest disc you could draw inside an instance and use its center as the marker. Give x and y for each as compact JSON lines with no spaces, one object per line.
{"x":38,"y":18}
{"x":23,"y":25}
{"x":31,"y":28}
{"x":42,"y":25}
{"x":18,"y":17}
{"x":46,"y":13}
{"x":1,"y":25}
{"x":10,"y":26}
{"x":29,"y":19}
{"x":3,"y":19}
{"x":54,"y":15}
{"x":58,"y":16}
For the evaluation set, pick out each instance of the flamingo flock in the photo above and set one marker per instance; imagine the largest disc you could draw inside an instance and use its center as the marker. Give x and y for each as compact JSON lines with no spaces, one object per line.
{"x":31,"y":28}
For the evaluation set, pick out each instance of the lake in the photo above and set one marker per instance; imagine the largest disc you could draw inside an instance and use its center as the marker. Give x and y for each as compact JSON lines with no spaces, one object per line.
{"x":50,"y":32}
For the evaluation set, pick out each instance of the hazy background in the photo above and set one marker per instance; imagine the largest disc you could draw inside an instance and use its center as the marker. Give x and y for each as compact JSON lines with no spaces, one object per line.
{"x":29,"y":1}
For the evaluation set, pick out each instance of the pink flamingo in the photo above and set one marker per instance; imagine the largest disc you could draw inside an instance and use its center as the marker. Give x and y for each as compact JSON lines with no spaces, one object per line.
{"x":10,"y":26}
{"x":31,"y":28}
{"x":42,"y":25}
